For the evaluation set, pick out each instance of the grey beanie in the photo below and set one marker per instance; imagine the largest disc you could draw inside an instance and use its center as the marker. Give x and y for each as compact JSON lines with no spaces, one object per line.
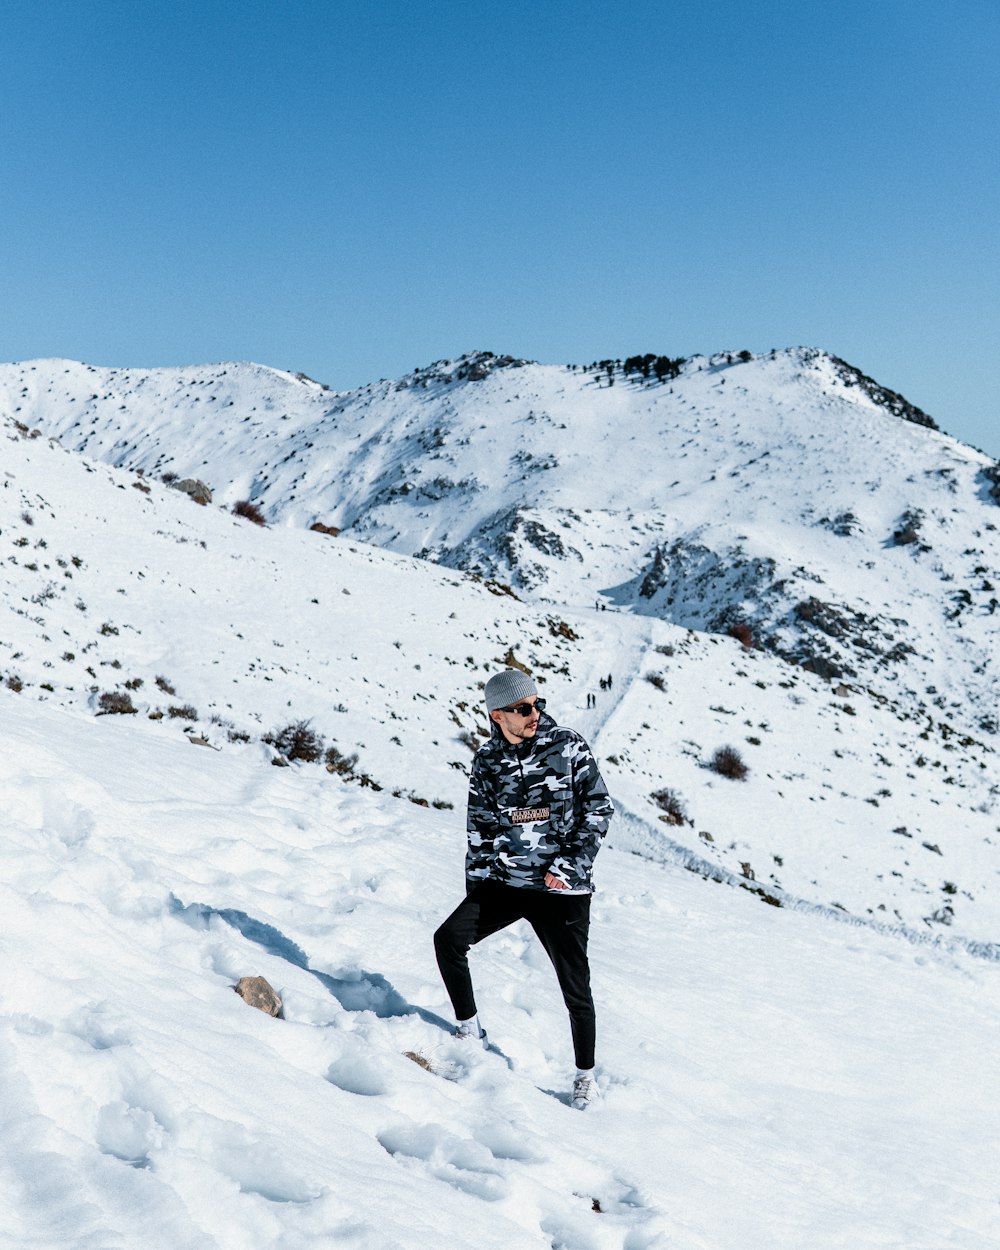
{"x":510,"y":686}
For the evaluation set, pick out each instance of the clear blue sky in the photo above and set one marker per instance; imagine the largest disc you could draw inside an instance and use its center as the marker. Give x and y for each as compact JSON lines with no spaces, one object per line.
{"x":353,"y":189}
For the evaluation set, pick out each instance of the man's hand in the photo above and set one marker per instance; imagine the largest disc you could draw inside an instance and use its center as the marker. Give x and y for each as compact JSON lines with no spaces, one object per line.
{"x":553,"y":883}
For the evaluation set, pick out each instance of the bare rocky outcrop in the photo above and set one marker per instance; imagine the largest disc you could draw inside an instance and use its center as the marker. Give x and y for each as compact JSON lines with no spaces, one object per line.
{"x":198,"y":491}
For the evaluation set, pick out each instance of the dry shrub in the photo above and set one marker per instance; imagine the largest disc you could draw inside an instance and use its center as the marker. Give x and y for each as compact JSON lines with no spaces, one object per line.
{"x":187,"y":712}
{"x":742,"y":633}
{"x":116,"y":703}
{"x":672,"y":805}
{"x":728,"y":762}
{"x":338,"y":762}
{"x":297,"y":741}
{"x":249,"y":511}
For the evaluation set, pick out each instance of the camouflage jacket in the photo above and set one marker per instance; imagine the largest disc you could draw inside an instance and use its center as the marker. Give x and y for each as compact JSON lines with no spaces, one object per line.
{"x":536,"y":808}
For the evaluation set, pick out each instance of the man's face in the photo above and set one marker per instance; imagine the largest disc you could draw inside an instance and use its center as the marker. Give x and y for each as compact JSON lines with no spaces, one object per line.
{"x":515,"y":725}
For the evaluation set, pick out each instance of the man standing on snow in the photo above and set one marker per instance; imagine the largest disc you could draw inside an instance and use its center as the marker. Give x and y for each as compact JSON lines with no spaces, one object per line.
{"x":538,"y":811}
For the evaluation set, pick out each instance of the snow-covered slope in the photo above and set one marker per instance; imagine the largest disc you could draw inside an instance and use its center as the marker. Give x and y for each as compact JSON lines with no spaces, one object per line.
{"x":769,"y":1078}
{"x":808,"y":1073}
{"x":786,"y":496}
{"x":119,"y":588}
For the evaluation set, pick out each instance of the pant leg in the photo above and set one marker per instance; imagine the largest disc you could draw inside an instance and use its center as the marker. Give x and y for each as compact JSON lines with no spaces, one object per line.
{"x":563,"y":927}
{"x":490,"y":907}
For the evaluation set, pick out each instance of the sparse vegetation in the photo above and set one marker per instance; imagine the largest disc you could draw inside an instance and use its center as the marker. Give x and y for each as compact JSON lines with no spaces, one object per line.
{"x":297,"y":741}
{"x":559,"y":629}
{"x":663,"y":368}
{"x":337,"y":762}
{"x":185,"y":712}
{"x":744,"y":634}
{"x":728,"y":762}
{"x":115,"y":703}
{"x":165,"y":686}
{"x":249,"y":511}
{"x":672,"y":806}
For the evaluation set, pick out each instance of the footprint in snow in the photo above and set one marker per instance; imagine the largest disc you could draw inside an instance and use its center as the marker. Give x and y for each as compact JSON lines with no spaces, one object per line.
{"x":460,"y":1162}
{"x":128,"y":1133}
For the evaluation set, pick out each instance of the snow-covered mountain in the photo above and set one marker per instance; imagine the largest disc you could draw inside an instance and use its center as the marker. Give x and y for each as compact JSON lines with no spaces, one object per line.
{"x":825,"y":1054}
{"x":784,"y":497}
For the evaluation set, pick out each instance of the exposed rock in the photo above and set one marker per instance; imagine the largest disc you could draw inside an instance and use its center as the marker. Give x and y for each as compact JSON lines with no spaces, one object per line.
{"x":991,"y":475}
{"x":823,"y":667}
{"x":891,"y":401}
{"x":257,"y":993}
{"x":908,"y":530}
{"x":198,"y":491}
{"x":844,"y":524}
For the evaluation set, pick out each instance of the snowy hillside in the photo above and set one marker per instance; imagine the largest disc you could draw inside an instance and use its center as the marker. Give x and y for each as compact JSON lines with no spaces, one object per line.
{"x":795,"y":970}
{"x":124,"y":597}
{"x":785,"y":496}
{"x":775,"y":488}
{"x":769,"y":1078}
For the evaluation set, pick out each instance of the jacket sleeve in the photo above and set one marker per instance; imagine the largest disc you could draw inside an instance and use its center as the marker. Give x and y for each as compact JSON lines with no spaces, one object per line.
{"x":592,"y":809}
{"x":481,"y":824}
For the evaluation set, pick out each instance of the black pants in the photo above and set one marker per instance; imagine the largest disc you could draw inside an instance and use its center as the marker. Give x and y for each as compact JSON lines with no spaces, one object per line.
{"x":561,"y":924}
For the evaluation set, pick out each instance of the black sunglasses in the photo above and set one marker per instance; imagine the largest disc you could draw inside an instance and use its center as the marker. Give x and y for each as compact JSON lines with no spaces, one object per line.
{"x":525,"y":709}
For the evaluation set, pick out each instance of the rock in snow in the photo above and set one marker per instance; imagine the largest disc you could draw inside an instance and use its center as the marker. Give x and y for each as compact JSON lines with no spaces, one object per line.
{"x":256,"y":992}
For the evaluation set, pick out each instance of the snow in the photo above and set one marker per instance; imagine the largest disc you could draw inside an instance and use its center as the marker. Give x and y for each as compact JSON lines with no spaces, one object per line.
{"x":769,"y":1077}
{"x":814,"y":1073}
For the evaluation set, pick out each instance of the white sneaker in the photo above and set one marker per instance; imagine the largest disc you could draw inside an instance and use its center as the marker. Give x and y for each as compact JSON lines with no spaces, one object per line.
{"x":467,"y":1033}
{"x":585,"y":1092}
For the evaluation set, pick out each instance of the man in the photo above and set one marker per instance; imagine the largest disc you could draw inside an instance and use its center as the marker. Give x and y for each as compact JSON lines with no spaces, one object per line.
{"x":538,"y":811}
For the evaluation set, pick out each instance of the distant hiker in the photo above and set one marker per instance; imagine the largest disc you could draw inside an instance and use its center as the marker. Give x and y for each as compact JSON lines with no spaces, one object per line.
{"x":538,"y":812}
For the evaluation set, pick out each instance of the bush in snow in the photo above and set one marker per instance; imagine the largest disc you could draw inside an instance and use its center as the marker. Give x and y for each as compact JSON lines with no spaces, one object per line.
{"x":187,"y":712}
{"x":249,"y":511}
{"x":337,"y":762}
{"x":297,"y":741}
{"x":15,"y":684}
{"x":674,"y":811}
{"x":165,"y":686}
{"x":115,"y":703}
{"x":728,"y":762}
{"x":742,"y":633}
